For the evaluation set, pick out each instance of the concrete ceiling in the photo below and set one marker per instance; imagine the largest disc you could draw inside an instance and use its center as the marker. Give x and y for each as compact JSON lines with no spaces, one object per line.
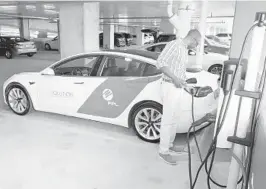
{"x":147,"y":13}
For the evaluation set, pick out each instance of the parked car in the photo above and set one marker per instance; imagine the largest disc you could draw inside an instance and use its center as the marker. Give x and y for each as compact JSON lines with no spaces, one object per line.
{"x":120,"y":87}
{"x":148,"y":38}
{"x":165,"y":38}
{"x":10,"y":46}
{"x":217,"y":40}
{"x":119,"y":40}
{"x":129,"y":38}
{"x":212,"y":62}
{"x":209,"y":45}
{"x":225,"y":37}
{"x":52,"y":44}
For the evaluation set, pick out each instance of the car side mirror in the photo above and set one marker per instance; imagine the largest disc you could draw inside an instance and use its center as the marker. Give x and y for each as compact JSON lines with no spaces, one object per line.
{"x":48,"y":71}
{"x":191,"y":81}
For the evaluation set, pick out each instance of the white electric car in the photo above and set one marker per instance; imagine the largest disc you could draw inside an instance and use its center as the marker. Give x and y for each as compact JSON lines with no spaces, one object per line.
{"x":120,"y":87}
{"x":212,"y":62}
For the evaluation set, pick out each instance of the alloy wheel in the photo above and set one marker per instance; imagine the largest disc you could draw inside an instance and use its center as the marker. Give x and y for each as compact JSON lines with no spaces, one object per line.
{"x":17,"y":100}
{"x":148,"y":123}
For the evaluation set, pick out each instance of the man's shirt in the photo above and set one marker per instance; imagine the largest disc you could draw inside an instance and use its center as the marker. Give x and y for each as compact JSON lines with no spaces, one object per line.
{"x":175,"y":57}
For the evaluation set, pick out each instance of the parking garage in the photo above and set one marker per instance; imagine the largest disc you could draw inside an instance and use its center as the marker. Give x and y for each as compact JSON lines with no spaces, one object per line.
{"x":80,"y":130}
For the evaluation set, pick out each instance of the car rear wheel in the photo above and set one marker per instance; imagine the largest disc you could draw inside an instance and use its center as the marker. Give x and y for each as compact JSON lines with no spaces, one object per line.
{"x":47,"y":47}
{"x":146,"y":121}
{"x":18,"y":100}
{"x":8,"y":54}
{"x":216,"y":69}
{"x":30,"y":55}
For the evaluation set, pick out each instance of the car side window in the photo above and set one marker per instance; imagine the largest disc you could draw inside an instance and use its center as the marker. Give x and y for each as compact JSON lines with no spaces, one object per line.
{"x":121,"y":67}
{"x":77,"y":67}
{"x":151,"y":70}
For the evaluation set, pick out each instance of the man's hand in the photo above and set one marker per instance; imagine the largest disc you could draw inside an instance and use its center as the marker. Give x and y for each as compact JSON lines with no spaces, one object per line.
{"x":179,"y":83}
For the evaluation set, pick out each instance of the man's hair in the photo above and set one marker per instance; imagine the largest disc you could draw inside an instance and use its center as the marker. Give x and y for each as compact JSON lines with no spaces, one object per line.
{"x":194,"y":33}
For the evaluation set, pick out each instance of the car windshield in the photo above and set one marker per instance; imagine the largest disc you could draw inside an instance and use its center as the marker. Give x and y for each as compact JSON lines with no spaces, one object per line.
{"x":119,"y":35}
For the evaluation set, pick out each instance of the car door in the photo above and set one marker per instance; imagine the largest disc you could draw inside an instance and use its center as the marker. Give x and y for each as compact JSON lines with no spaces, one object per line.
{"x":122,"y":83}
{"x":54,"y":43}
{"x":73,"y":81}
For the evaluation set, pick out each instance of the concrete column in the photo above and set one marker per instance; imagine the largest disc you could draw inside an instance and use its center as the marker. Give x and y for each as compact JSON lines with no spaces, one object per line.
{"x":202,"y":29}
{"x":108,"y":36}
{"x":24,"y":28}
{"x":79,"y":28}
{"x":140,"y":36}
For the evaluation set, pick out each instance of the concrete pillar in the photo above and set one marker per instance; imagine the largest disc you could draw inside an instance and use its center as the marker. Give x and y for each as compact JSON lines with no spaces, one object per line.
{"x":140,"y":36}
{"x":79,"y":28}
{"x":24,"y":28}
{"x":202,"y":29}
{"x":108,"y":36}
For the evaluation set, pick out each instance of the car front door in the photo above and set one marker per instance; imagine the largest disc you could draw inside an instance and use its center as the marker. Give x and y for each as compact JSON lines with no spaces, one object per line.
{"x":122,"y":83}
{"x":55,"y":43}
{"x":72,"y":83}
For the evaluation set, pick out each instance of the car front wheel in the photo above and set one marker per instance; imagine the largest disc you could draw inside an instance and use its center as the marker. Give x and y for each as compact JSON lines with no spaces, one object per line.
{"x":18,"y":100}
{"x":146,"y":121}
{"x":8,"y":54}
{"x":30,"y":55}
{"x":47,"y":47}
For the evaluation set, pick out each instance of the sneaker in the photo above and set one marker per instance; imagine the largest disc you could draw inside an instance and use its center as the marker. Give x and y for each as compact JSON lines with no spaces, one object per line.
{"x":169,"y":159}
{"x":181,"y":150}
{"x":178,"y":149}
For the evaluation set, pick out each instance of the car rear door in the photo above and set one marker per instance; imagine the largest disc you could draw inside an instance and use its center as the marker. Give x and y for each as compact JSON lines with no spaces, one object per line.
{"x":122,"y":83}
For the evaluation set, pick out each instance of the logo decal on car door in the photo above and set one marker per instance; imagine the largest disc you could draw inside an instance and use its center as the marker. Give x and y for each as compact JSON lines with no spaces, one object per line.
{"x":113,"y":96}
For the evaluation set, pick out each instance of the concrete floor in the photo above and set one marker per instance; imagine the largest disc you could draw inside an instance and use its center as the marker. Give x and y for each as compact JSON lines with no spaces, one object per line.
{"x":42,"y":150}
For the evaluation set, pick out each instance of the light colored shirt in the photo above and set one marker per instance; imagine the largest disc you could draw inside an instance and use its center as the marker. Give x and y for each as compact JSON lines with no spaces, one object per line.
{"x":175,"y":57}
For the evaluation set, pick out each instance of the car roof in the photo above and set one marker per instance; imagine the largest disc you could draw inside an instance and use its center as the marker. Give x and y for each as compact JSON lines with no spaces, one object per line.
{"x":146,"y":54}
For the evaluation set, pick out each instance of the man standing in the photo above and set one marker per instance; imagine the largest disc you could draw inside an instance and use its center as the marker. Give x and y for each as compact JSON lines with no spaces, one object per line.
{"x":172,"y":62}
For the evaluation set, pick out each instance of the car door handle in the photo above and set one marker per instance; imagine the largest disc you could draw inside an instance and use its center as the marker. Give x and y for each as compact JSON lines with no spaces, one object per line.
{"x":78,"y":83}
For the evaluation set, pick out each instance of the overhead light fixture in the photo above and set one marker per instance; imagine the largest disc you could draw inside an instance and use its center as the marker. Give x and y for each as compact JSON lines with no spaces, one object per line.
{"x":49,"y":6}
{"x":31,"y":7}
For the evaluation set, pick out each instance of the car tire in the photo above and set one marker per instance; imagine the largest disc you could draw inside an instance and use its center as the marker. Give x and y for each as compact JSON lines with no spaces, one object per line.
{"x":47,"y":46}
{"x":216,"y":69}
{"x":148,"y":130}
{"x":8,"y":54}
{"x":30,"y":55}
{"x":18,"y":100}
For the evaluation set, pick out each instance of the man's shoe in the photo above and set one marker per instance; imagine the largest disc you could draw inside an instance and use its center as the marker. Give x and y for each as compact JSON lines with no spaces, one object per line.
{"x":168,"y":158}
{"x":178,"y":149}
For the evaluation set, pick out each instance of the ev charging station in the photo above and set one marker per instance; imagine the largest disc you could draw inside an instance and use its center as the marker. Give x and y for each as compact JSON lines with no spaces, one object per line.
{"x":239,"y":104}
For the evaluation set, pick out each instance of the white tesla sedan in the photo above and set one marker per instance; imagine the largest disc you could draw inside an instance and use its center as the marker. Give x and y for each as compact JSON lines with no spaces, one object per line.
{"x":117,"y":87}
{"x":212,"y":62}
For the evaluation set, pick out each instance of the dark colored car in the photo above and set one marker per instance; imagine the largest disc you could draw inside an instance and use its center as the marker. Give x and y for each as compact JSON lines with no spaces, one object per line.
{"x":119,"y":40}
{"x":16,"y":45}
{"x":129,"y":38}
{"x":209,"y":45}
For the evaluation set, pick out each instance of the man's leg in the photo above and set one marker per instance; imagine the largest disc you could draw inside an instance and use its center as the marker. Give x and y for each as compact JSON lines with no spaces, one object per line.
{"x":166,"y":127}
{"x":168,"y":123}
